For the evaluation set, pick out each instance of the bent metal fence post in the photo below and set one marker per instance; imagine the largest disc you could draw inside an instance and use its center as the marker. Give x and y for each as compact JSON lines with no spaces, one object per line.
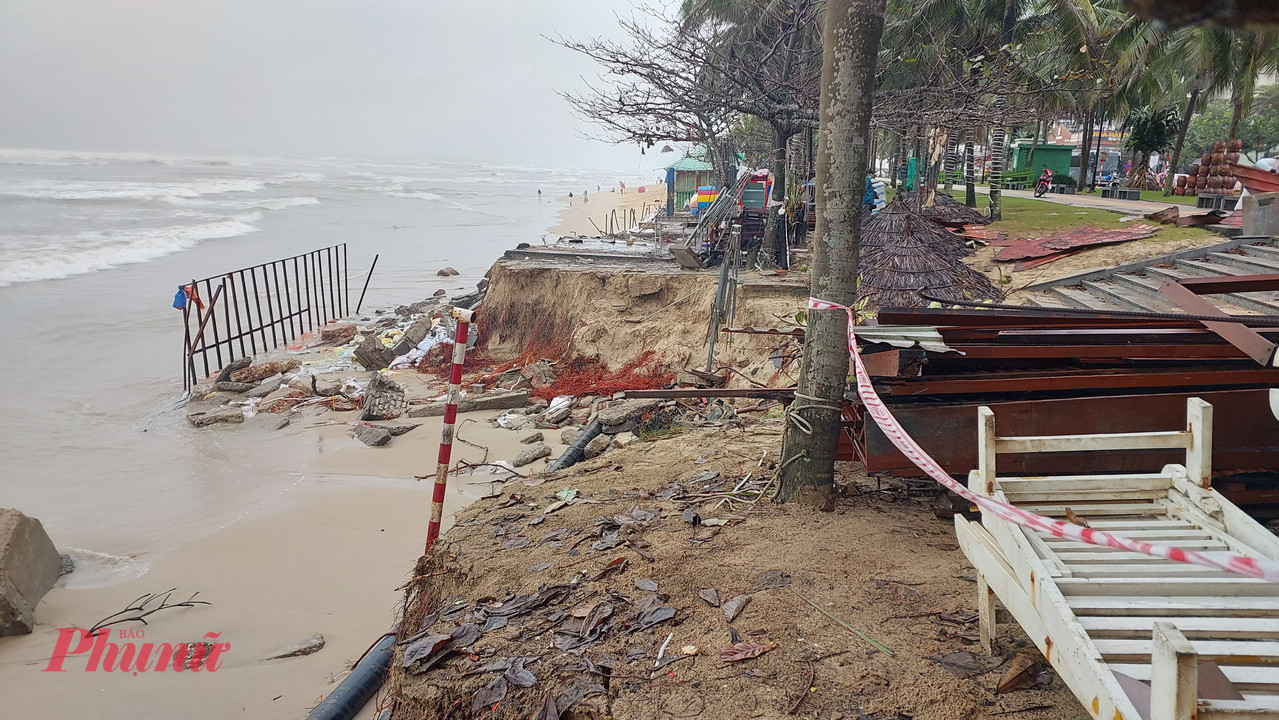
{"x":256,"y":309}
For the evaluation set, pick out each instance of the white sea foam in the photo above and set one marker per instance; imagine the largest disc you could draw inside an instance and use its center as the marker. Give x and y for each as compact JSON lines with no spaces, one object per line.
{"x":93,"y":251}
{"x":251,"y":204}
{"x":420,"y":195}
{"x":96,"y":569}
{"x":93,"y":190}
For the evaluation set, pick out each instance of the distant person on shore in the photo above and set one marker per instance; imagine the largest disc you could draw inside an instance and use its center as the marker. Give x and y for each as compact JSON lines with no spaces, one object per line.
{"x":622,"y":185}
{"x":570,"y":199}
{"x":539,"y":193}
{"x":585,"y":197}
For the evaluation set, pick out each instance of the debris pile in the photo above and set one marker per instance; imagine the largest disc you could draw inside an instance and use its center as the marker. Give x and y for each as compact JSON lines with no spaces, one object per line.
{"x":1033,"y":252}
{"x":903,"y":253}
{"x":616,"y":589}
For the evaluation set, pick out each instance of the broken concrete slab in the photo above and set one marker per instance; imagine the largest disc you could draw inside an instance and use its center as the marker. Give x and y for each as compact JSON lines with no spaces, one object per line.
{"x":597,"y":446}
{"x":266,"y":387}
{"x":493,"y":400}
{"x":205,"y":414}
{"x":372,"y":435}
{"x":29,"y":565}
{"x":536,"y":451}
{"x":533,"y":438}
{"x":415,"y":334}
{"x":311,"y":645}
{"x":253,"y":373}
{"x":337,"y":332}
{"x":398,"y":429}
{"x":538,"y":374}
{"x":371,"y":354}
{"x":240,"y":364}
{"x":233,"y":387}
{"x":558,"y":415}
{"x":569,"y":434}
{"x":624,"y":411}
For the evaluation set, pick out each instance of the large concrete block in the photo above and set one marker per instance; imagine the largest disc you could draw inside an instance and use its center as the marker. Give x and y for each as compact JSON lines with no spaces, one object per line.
{"x":29,"y":565}
{"x":1261,"y":214}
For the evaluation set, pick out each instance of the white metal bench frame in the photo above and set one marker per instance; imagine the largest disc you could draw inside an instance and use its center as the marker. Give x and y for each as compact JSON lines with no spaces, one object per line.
{"x":1037,"y":577}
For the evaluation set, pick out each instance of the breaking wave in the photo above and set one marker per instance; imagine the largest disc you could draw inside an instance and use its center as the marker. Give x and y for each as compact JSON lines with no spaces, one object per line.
{"x":90,"y":190}
{"x":100,"y":250}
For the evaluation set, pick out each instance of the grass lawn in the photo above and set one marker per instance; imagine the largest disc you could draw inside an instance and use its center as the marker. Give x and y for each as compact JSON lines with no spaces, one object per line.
{"x":1153,"y":196}
{"x":1026,"y":217}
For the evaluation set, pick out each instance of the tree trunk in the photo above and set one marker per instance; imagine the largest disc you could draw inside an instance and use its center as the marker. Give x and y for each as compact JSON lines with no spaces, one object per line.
{"x":1174,"y":160}
{"x":1236,"y":100}
{"x":952,"y":147}
{"x":776,"y":203}
{"x":1085,"y":149}
{"x":896,"y":160}
{"x":998,"y":139}
{"x":850,"y":45}
{"x":970,"y":185}
{"x":1034,"y":145}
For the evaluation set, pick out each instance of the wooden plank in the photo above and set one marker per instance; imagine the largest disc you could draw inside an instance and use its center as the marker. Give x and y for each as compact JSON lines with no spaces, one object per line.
{"x":1202,"y":628}
{"x":1238,"y":710}
{"x":1062,"y":641}
{"x":1158,"y":587}
{"x":1122,"y":525}
{"x":1149,"y":535}
{"x":1106,"y":555}
{"x":1066,"y":497}
{"x":1199,"y":453}
{"x":1209,"y":544}
{"x":1144,"y":481}
{"x":1246,"y":678}
{"x":1174,"y":675}
{"x":1172,"y":571}
{"x":1231,"y":652}
{"x":1089,"y":510}
{"x":1163,"y":440}
{"x":1180,"y":606}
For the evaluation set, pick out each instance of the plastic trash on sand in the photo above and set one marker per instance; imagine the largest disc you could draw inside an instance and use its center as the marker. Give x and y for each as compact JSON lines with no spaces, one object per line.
{"x":511,"y":420}
{"x":560,"y":401}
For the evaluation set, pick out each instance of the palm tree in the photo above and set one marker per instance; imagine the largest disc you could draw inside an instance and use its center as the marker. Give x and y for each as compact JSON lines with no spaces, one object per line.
{"x":1253,"y":53}
{"x":1150,"y":130}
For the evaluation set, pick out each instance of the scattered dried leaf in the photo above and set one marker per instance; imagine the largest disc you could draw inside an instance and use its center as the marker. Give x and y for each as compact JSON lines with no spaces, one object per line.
{"x":734,"y":606}
{"x":646,"y":584}
{"x":612,"y":568}
{"x":772,"y":579}
{"x":710,"y":596}
{"x":745,"y":651}
{"x":1019,"y":675}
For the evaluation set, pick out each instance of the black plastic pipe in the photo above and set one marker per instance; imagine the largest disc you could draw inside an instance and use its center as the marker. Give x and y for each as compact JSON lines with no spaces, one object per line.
{"x":360,"y":686}
{"x":576,"y":452}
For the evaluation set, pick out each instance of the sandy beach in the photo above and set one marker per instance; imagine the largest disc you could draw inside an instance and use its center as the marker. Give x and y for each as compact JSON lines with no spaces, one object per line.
{"x":590,"y":218}
{"x":324,"y":553}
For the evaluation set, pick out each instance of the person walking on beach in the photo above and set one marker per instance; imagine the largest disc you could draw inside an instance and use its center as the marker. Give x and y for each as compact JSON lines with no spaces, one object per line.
{"x":585,"y":198}
{"x":539,"y":193}
{"x":570,"y":199}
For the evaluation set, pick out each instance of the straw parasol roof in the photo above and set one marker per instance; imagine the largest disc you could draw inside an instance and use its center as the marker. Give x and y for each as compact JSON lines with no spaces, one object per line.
{"x":946,"y":210}
{"x":903,"y":253}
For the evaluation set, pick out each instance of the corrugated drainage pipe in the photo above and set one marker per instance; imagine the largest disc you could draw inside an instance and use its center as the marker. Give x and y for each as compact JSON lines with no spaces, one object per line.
{"x":576,"y":452}
{"x":361,"y":685}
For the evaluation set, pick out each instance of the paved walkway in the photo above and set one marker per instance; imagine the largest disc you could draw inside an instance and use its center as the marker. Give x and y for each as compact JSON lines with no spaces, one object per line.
{"x":1125,"y":207}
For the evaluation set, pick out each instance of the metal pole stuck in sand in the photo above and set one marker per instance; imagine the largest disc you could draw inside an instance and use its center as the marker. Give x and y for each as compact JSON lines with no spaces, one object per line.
{"x":464,"y":319}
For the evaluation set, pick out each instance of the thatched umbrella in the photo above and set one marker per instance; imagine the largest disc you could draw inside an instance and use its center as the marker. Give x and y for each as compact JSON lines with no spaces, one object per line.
{"x":946,"y":210}
{"x":903,"y":253}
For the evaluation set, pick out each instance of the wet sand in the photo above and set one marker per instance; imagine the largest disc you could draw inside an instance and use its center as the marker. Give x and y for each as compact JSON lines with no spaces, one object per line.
{"x":325,"y":556}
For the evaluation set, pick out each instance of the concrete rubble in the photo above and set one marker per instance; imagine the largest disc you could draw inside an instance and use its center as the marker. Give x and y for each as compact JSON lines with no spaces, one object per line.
{"x":29,"y":566}
{"x":495,"y":400}
{"x":537,"y":451}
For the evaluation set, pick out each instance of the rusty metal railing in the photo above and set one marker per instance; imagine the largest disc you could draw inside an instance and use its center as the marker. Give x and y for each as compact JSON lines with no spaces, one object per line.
{"x":259,"y":308}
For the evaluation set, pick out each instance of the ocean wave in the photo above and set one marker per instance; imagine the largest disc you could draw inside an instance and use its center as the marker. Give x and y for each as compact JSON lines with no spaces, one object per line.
{"x":90,"y":190}
{"x":93,"y":251}
{"x":297,"y":177}
{"x":96,"y":569}
{"x":420,"y":195}
{"x":250,"y":204}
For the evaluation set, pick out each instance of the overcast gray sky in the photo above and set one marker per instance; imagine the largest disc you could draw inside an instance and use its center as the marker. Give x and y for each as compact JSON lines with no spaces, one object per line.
{"x":471,"y":80}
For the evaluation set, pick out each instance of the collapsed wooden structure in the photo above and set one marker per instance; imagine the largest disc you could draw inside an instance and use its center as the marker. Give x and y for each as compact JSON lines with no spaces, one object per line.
{"x":1081,"y":372}
{"x":1133,"y":636}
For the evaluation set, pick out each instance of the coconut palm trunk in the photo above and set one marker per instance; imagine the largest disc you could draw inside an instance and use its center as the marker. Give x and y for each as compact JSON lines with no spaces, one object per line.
{"x":850,"y":45}
{"x":1174,"y":160}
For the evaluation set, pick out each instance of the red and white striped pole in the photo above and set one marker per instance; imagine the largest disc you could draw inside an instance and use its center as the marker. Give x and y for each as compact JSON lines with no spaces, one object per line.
{"x":464,"y":319}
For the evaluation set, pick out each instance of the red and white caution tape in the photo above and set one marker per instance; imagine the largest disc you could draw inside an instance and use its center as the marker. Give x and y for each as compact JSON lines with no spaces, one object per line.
{"x":1230,"y":562}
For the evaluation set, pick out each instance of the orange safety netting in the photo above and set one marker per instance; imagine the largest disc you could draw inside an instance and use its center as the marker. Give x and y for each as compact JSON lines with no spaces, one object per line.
{"x":584,"y":376}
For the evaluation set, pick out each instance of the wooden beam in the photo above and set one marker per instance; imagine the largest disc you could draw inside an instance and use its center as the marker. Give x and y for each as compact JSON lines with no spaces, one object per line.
{"x":1094,"y":443}
{"x":1199,"y":451}
{"x":1174,"y":675}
